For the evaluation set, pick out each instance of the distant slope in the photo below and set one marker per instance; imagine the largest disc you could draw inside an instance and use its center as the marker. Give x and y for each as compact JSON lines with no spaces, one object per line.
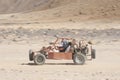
{"x":15,"y":6}
{"x":59,"y":9}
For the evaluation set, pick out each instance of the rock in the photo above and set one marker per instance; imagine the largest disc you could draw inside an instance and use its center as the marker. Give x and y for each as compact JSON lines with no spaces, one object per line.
{"x":2,"y":69}
{"x":106,"y":79}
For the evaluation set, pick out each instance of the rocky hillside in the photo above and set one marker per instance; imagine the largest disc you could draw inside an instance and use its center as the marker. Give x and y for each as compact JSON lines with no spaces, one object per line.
{"x":15,"y":6}
{"x":59,"y":9}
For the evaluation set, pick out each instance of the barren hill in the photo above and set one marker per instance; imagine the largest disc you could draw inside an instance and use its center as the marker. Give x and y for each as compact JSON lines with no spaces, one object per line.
{"x":15,"y":6}
{"x":62,"y":13}
{"x":61,"y":8}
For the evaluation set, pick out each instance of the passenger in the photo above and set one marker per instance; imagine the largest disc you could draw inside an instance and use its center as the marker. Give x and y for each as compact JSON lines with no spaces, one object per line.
{"x":83,"y":46}
{"x":72,"y":46}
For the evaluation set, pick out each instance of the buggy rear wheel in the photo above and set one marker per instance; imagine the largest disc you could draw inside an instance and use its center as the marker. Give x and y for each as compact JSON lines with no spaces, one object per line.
{"x":93,"y":53}
{"x":39,"y":59}
{"x":79,"y":59}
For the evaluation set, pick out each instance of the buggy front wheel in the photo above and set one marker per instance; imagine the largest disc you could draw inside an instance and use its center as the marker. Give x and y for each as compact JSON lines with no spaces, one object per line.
{"x":39,"y":59}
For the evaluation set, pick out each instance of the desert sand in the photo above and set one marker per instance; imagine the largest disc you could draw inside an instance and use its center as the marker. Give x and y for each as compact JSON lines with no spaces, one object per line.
{"x":15,"y":65}
{"x":32,"y":24}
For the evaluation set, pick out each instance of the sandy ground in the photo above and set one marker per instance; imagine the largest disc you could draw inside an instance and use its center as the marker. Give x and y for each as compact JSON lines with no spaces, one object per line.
{"x":31,"y":24}
{"x":17,"y":39}
{"x":16,"y":66}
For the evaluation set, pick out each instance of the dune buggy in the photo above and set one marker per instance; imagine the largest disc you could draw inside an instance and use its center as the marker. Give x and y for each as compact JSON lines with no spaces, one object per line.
{"x":78,"y":52}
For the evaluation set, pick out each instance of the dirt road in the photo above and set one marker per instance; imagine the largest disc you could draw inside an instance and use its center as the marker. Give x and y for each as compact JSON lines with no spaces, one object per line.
{"x":16,"y":66}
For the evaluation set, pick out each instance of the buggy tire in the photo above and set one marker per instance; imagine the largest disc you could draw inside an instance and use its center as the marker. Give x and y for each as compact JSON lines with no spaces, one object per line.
{"x":93,"y":53}
{"x":79,"y":59}
{"x":30,"y":55}
{"x":39,"y":59}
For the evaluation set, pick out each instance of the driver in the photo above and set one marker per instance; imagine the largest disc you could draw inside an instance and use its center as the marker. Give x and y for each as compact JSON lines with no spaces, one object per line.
{"x":64,"y":45}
